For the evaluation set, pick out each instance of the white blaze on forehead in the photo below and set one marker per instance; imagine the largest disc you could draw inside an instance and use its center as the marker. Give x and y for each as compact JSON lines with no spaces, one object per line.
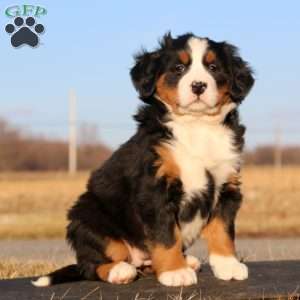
{"x":197,"y":72}
{"x":198,"y":49}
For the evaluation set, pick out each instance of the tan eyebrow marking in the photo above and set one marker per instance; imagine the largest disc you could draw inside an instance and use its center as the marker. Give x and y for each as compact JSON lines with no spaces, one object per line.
{"x":210,"y":57}
{"x":184,"y":57}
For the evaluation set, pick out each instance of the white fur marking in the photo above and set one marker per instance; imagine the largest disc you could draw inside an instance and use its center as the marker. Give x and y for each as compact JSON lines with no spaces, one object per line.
{"x":122,"y":273}
{"x":42,"y":281}
{"x":180,"y":277}
{"x":228,"y":267}
{"x":197,"y":72}
{"x":137,"y":257}
{"x":193,"y":262}
{"x":190,"y":231}
{"x":201,"y":145}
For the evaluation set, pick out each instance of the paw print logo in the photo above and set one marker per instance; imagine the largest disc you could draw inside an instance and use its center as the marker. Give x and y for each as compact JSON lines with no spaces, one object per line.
{"x":24,"y":33}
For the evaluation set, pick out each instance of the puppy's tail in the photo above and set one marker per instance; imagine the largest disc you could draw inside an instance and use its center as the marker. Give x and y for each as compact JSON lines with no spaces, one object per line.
{"x":66,"y":274}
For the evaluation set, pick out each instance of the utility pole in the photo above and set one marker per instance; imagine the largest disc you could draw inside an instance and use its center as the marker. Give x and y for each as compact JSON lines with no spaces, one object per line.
{"x":72,"y":133}
{"x":278,"y":149}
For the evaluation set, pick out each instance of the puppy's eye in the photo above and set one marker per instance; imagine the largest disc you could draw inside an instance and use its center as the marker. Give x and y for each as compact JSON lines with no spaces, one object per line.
{"x":212,"y":67}
{"x":179,"y":68}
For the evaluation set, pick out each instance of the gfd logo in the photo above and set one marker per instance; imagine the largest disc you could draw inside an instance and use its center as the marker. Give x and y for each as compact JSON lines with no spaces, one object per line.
{"x":24,"y":29}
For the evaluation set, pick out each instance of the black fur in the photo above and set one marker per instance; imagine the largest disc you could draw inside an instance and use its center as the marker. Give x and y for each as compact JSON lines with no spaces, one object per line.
{"x":227,"y":207}
{"x":124,"y":200}
{"x":200,"y":203}
{"x":232,"y":121}
{"x":66,"y":274}
{"x":150,"y":65}
{"x":241,"y":73}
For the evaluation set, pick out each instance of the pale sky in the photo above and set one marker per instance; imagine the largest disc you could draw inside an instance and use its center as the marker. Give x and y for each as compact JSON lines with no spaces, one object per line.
{"x":88,"y":46}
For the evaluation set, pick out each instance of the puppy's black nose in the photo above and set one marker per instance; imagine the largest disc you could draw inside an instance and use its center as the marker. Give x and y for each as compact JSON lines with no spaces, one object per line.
{"x":198,"y":87}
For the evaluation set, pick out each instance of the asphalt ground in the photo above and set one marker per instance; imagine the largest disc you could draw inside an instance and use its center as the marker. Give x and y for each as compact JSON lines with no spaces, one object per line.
{"x":268,"y":280}
{"x":274,"y":273}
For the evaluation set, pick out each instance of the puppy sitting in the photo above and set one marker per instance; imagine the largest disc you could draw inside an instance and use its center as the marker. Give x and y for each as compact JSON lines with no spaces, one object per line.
{"x":175,"y":179}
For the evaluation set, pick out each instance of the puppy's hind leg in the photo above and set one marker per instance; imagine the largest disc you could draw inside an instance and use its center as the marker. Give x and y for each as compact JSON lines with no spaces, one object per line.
{"x":108,"y":263}
{"x":98,"y":256}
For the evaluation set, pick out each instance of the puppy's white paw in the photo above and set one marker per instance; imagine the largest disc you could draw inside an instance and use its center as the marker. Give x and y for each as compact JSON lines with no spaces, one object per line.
{"x":122,"y":273}
{"x":179,"y":277}
{"x":193,"y":262}
{"x":228,"y":267}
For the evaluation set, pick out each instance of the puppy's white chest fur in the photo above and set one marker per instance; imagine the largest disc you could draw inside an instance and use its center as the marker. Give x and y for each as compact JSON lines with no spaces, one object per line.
{"x":201,"y":146}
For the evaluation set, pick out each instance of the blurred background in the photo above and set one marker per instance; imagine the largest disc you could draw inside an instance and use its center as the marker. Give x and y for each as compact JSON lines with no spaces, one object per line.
{"x":67,"y":104}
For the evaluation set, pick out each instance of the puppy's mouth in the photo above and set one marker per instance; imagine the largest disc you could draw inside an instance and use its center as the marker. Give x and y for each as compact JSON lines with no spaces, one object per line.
{"x":197,"y":103}
{"x":200,"y":107}
{"x":201,"y":100}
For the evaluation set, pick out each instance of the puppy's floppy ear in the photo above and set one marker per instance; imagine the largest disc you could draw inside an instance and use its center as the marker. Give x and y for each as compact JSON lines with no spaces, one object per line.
{"x":242,"y":75}
{"x":145,"y":72}
{"x":147,"y":68}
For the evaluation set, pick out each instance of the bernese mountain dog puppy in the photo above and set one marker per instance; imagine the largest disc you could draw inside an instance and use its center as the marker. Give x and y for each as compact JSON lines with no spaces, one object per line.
{"x":175,"y":180}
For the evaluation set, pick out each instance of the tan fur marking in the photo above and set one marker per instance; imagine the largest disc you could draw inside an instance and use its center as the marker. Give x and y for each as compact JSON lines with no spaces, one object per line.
{"x":117,"y":251}
{"x":168,"y":259}
{"x":184,"y":57}
{"x":223,"y":98}
{"x":166,"y":93}
{"x":234,"y":181}
{"x":218,"y":239}
{"x":210,"y":57}
{"x":103,"y":270}
{"x":166,"y":164}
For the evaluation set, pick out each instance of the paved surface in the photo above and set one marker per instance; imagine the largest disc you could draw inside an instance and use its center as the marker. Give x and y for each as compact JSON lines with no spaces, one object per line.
{"x":58,"y":250}
{"x":279,"y":279}
{"x":268,"y":280}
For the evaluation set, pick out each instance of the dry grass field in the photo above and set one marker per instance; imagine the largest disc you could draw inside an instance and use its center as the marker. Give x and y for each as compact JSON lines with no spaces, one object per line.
{"x":271,"y":205}
{"x":34,"y":205}
{"x":14,"y":268}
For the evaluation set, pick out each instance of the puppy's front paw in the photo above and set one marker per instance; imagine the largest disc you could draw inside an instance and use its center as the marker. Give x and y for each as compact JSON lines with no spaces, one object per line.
{"x":122,"y":273}
{"x":227,"y":268}
{"x":179,"y":277}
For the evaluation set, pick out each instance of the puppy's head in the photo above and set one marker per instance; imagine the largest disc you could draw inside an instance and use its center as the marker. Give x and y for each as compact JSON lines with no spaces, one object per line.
{"x":192,"y":75}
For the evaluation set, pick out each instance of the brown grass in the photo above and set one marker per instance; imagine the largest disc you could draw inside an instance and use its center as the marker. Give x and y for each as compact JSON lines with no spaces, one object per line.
{"x":34,"y":205}
{"x":15,"y":269}
{"x":271,"y":202}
